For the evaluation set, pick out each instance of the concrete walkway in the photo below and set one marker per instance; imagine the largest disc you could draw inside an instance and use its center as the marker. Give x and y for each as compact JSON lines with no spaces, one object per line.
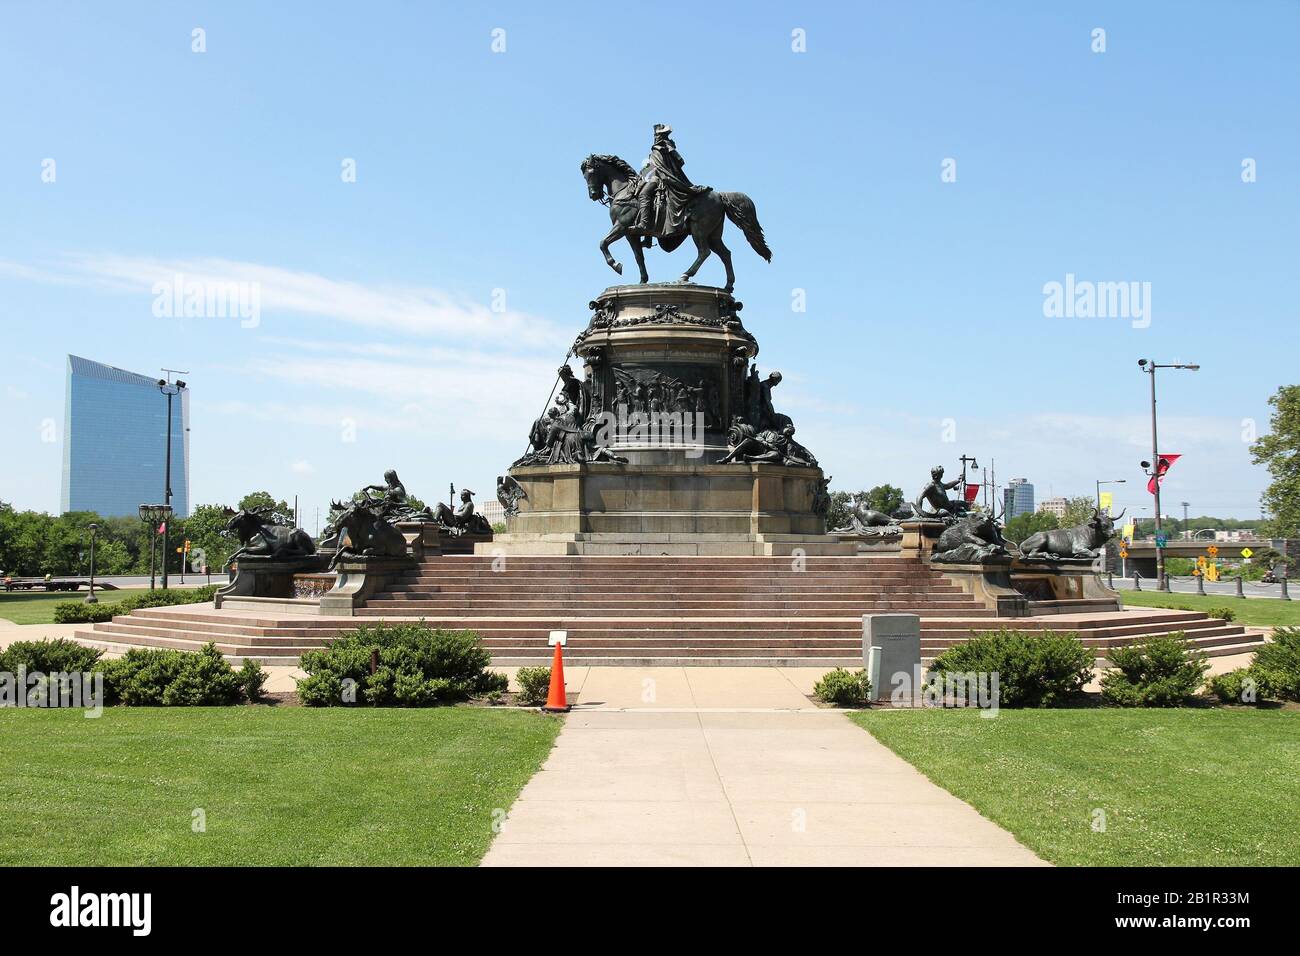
{"x":732,"y":767}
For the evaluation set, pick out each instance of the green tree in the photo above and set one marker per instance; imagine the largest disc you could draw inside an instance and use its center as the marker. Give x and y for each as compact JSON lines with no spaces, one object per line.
{"x":885,"y":498}
{"x":837,"y":516}
{"x":1022,"y":526}
{"x":281,"y":512}
{"x":1077,"y":511}
{"x":209,"y":544}
{"x":1279,"y":451}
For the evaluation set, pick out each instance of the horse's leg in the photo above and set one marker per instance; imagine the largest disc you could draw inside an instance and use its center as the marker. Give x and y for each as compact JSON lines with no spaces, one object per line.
{"x":635,"y":243}
{"x":723,"y":253}
{"x":614,"y":234}
{"x":701,"y":237}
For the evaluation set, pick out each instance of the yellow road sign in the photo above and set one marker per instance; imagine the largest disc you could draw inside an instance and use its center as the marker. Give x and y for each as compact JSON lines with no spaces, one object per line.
{"x":1212,"y":550}
{"x":1246,"y":552}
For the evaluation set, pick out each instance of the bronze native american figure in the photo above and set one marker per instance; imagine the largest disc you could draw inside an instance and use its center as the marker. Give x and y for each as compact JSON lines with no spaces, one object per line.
{"x":661,"y":203}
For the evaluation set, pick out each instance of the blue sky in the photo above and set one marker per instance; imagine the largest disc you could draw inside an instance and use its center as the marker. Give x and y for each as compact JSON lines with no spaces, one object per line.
{"x":924,"y":298}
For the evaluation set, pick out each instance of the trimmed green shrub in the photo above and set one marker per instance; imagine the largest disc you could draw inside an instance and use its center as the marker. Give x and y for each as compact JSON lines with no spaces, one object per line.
{"x":1277,"y":664}
{"x":153,"y":677}
{"x":1162,"y":671}
{"x":1034,"y":670}
{"x":251,"y":679}
{"x":78,"y":612}
{"x":415,"y":666}
{"x":844,"y":688}
{"x":1223,"y":613}
{"x":75,"y":612}
{"x":1236,"y":687}
{"x":49,"y":657}
{"x":534,"y":682}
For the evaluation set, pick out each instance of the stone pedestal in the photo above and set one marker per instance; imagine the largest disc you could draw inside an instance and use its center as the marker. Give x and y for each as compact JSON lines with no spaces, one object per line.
{"x":920,"y":535}
{"x":428,"y":539}
{"x":871,"y":542}
{"x":989,"y":581}
{"x":667,"y":375}
{"x":262,"y":578}
{"x":1061,"y":583}
{"x":358,"y":580}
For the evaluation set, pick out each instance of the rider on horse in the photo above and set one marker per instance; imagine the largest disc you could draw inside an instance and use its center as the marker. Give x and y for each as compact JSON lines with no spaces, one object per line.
{"x":663,"y":173}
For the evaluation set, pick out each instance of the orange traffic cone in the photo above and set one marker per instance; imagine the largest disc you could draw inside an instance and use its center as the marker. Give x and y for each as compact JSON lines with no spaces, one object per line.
{"x":556,"y":702}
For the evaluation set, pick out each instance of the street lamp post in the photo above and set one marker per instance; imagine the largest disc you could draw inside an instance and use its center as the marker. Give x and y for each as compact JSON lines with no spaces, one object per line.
{"x":1155,"y":471}
{"x":169,"y":389}
{"x":1186,"y":531}
{"x":92,"y":528}
{"x":1105,"y":481}
{"x":152,"y":515}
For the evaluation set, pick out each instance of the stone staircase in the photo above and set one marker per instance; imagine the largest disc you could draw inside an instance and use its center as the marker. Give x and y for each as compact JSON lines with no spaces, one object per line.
{"x":654,"y":610}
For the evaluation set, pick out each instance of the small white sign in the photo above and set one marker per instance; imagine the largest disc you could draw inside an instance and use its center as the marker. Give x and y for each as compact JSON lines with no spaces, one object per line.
{"x":558,"y":637}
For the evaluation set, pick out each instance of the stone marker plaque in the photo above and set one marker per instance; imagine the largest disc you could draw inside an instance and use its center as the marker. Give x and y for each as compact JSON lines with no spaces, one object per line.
{"x":891,"y":644}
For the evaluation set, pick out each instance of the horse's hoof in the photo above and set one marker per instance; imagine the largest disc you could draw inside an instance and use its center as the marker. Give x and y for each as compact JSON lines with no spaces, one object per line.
{"x":685,"y":280}
{"x":618,"y":267}
{"x":729,"y":289}
{"x":645,"y":279}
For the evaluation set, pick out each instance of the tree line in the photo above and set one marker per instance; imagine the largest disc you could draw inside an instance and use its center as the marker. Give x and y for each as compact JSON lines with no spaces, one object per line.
{"x":34,"y":543}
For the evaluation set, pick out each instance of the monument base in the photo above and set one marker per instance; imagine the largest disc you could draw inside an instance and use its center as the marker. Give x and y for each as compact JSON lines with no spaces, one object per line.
{"x":681,"y":509}
{"x":660,"y":544}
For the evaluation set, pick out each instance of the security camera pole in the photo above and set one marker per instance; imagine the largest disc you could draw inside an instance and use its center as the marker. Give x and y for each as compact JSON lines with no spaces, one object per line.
{"x":1150,"y":367}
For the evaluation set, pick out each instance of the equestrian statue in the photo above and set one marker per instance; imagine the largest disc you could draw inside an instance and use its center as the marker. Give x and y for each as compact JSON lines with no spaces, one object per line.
{"x":661,"y":203}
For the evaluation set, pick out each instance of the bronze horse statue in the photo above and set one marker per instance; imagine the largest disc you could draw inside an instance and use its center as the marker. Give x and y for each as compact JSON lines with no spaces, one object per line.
{"x":612,"y":181}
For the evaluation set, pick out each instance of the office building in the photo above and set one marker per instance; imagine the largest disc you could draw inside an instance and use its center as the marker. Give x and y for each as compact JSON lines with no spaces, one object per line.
{"x":115,"y":441}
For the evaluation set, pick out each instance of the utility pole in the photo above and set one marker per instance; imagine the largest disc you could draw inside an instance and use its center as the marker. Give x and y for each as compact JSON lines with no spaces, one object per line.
{"x":993,"y":476}
{"x":1187,"y":531}
{"x":1155,"y":465}
{"x":168,"y":388}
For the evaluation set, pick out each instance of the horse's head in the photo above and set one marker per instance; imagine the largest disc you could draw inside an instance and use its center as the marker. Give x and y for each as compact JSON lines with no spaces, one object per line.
{"x":605,"y":174}
{"x":591,"y":172}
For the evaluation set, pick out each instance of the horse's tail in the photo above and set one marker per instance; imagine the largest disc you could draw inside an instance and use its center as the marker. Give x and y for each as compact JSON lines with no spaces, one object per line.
{"x":740,"y":210}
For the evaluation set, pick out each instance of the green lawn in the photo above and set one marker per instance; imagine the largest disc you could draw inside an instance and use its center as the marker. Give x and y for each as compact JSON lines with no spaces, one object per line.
{"x":1194,"y":787}
{"x":1257,"y":612}
{"x":279,"y":786}
{"x":37,"y":607}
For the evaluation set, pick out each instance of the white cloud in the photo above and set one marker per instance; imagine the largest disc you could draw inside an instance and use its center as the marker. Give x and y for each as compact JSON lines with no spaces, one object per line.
{"x":413,"y":310}
{"x":302,"y":467}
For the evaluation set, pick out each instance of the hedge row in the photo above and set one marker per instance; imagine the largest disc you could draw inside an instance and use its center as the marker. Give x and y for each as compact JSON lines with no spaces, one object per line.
{"x":79,"y":612}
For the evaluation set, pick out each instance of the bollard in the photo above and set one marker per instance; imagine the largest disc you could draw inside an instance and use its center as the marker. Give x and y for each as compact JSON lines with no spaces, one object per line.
{"x":1240,"y":593}
{"x":1200,"y":584}
{"x":1110,"y":580}
{"x":1137,"y":581}
{"x":1285,"y":595}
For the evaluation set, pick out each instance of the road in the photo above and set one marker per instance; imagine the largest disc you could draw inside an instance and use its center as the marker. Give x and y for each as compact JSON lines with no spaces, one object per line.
{"x":1187,"y":585}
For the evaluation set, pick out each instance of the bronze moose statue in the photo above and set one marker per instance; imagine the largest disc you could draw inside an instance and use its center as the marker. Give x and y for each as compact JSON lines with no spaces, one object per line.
{"x":260,"y":536}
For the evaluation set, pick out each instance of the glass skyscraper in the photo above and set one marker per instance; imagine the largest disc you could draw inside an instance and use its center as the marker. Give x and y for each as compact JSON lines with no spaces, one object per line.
{"x":1018,"y":498}
{"x":115,"y":441}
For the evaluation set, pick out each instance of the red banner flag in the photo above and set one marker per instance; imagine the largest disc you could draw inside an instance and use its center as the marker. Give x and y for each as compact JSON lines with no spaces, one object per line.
{"x":162,"y":527}
{"x":1166,"y":462}
{"x":971,"y":492}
